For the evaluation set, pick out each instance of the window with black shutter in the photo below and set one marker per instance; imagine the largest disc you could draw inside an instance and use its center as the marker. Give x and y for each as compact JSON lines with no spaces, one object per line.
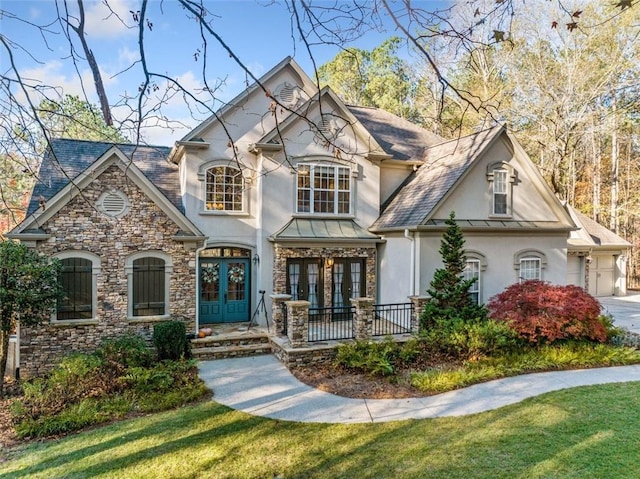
{"x":148,"y":287}
{"x":76,"y":279}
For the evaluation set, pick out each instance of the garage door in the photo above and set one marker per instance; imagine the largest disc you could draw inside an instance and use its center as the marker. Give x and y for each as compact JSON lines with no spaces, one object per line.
{"x":601,"y":275}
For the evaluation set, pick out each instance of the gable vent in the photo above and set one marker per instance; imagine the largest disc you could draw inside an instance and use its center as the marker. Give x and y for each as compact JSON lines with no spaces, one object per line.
{"x":286,"y":94}
{"x":113,"y":203}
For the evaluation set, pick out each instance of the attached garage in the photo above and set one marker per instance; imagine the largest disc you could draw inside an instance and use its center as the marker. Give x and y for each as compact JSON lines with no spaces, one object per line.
{"x":596,"y":258}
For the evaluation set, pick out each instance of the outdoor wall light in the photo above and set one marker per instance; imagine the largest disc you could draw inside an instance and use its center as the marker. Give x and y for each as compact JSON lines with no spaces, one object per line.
{"x":256,"y":259}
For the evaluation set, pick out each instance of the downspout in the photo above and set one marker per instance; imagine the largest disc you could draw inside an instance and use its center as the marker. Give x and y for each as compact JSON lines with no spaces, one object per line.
{"x":412,"y":264}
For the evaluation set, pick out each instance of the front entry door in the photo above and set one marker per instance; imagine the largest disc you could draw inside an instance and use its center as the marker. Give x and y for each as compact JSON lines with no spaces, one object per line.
{"x":224,"y":288}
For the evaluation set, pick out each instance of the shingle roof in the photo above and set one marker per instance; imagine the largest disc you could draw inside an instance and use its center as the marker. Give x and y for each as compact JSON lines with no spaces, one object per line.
{"x":592,"y":233}
{"x":72,"y":157}
{"x":399,"y":137}
{"x":444,"y":165}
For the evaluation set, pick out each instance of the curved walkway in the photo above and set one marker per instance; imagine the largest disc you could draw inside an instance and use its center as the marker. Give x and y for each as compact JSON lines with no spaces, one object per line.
{"x":262,"y":386}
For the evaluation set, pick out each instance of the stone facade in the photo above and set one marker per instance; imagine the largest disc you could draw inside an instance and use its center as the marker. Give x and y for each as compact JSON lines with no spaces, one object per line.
{"x":80,"y":227}
{"x":282,"y":254}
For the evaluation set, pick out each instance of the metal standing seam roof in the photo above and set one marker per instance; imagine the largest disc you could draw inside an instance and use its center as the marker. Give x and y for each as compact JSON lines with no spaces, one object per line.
{"x":444,"y":165}
{"x":322,"y":229}
{"x":72,"y":157}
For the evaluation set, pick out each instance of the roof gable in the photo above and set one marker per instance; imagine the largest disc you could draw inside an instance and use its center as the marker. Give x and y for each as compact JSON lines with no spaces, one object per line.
{"x":289,"y":62}
{"x":310,"y":110}
{"x":445,"y":164}
{"x":60,"y":186}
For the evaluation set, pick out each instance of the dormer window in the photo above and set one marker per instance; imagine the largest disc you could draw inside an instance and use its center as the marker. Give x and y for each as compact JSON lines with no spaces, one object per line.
{"x":323,"y":189}
{"x":224,"y":189}
{"x":501,"y":177}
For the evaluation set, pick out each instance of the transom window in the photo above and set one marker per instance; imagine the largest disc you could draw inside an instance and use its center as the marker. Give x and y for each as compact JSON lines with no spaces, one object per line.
{"x":324,"y":189}
{"x":224,"y":189}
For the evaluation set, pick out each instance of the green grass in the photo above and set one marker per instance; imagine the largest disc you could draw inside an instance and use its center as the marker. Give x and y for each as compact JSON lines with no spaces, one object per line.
{"x":575,"y":433}
{"x":546,"y":358}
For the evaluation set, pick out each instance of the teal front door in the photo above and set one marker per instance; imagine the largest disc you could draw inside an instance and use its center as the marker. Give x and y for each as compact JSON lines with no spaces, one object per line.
{"x":224,"y":290}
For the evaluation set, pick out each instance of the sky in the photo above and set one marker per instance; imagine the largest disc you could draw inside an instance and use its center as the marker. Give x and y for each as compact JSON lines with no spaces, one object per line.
{"x":258,"y":31}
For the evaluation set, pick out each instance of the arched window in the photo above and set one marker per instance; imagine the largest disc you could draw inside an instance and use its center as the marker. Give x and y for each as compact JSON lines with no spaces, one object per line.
{"x":475,"y":265}
{"x":148,"y":276}
{"x":224,"y":187}
{"x":78,"y":279}
{"x":529,"y":264}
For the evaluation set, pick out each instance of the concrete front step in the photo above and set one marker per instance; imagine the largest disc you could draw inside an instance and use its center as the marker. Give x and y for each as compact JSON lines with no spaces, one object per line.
{"x":231,"y":351}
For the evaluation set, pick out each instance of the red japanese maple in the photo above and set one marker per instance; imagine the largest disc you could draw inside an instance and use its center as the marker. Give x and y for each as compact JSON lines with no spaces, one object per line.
{"x":543,"y":313}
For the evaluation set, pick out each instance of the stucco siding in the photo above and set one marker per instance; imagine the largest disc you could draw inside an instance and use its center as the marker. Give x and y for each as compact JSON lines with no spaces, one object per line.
{"x":500,"y":254}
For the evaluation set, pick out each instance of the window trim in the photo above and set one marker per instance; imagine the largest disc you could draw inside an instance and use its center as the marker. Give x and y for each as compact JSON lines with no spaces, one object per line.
{"x":476,"y":256}
{"x":511,"y":179}
{"x":529,"y":254}
{"x":168,"y":270}
{"x":96,"y":268}
{"x":202,"y":176}
{"x":336,"y":189}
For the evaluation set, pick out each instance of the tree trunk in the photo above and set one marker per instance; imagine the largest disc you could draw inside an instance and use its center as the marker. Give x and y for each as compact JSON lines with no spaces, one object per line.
{"x":597,"y":177}
{"x":613,"y":220}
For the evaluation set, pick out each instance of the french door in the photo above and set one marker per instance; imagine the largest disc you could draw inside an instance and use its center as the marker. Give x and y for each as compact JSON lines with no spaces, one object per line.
{"x":224,"y":290}
{"x":305,"y":280}
{"x":348,"y":281}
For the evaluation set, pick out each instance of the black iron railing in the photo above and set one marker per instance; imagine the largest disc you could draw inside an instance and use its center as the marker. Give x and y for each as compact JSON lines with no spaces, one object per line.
{"x":392,"y":318}
{"x":330,"y":323}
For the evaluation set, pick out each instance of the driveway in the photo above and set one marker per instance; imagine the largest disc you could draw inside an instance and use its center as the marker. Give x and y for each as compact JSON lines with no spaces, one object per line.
{"x":624,"y":309}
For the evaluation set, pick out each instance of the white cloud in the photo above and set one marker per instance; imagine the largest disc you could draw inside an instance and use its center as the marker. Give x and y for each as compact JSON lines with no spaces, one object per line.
{"x":107,"y":22}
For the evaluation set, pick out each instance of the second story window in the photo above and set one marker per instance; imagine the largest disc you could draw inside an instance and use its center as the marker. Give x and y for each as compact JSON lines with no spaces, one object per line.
{"x":224,"y":189}
{"x":500,"y":192}
{"x":323,"y":189}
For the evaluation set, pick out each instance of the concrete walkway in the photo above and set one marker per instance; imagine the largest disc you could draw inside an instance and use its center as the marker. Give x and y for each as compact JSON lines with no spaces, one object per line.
{"x":262,"y":386}
{"x":624,"y":309}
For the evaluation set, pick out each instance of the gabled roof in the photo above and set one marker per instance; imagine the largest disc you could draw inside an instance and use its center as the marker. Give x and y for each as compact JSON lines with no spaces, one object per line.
{"x":308,"y":84}
{"x":64,"y":175}
{"x":445,"y":164}
{"x":592,"y":234}
{"x":67,"y":158}
{"x":397,"y":136}
{"x":371,"y":144}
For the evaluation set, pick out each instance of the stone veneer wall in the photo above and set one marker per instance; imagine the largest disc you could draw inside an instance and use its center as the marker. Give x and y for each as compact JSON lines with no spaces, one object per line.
{"x":80,"y":226}
{"x":283,"y":253}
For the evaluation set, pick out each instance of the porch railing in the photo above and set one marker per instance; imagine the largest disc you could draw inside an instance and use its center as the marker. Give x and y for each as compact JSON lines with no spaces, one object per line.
{"x":392,"y":318}
{"x":330,"y":323}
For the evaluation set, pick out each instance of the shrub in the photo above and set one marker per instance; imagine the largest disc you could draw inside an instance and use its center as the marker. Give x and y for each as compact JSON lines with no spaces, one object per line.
{"x":378,"y":358}
{"x":170,"y":340}
{"x":463,"y":340}
{"x":544,"y":313}
{"x":127,"y":351}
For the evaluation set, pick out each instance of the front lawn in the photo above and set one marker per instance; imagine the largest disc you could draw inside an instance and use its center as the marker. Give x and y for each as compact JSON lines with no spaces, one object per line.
{"x":574,"y":433}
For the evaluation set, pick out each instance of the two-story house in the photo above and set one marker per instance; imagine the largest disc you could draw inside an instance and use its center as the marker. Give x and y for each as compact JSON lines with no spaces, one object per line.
{"x":284,"y":190}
